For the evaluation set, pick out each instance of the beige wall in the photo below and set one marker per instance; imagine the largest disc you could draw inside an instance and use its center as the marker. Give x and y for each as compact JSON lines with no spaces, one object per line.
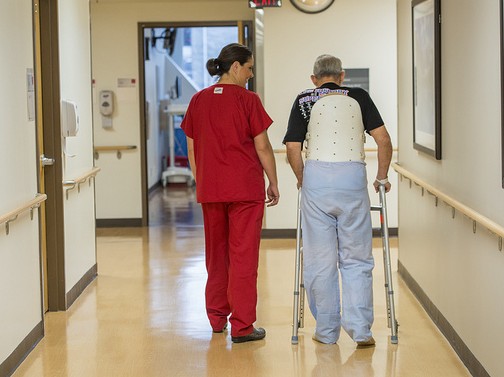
{"x":461,"y":272}
{"x":115,"y":55}
{"x":20,"y":268}
{"x":75,"y":72}
{"x":288,"y":54}
{"x":20,"y":292}
{"x":363,"y":35}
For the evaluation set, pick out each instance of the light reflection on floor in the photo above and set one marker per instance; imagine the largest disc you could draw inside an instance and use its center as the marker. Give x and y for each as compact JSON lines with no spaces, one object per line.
{"x":144,"y":315}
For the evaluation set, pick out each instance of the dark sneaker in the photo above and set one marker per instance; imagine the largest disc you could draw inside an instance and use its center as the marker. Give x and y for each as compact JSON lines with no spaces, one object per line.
{"x":366,"y":343}
{"x":256,"y":334}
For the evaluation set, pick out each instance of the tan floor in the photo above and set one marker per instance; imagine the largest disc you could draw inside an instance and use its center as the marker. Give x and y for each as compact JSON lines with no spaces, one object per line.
{"x":144,"y":316}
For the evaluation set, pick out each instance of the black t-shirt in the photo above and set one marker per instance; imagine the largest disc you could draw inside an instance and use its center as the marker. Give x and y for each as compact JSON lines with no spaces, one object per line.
{"x":301,"y":109}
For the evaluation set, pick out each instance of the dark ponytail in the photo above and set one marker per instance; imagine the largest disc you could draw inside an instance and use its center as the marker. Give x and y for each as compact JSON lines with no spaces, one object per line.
{"x":213,"y":67}
{"x":231,"y":53}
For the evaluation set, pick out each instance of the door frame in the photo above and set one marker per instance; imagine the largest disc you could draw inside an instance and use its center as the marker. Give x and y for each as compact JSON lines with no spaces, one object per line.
{"x":40,"y":149}
{"x":47,"y":74}
{"x":245,"y":36}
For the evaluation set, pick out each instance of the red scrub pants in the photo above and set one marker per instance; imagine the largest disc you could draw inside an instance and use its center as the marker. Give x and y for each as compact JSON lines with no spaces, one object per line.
{"x":232,"y":238}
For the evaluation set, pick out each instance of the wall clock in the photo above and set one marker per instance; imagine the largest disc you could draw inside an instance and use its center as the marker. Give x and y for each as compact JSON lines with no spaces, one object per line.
{"x":312,"y":6}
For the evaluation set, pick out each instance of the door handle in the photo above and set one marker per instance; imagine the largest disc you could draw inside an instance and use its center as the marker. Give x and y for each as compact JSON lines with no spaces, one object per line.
{"x":45,"y":161}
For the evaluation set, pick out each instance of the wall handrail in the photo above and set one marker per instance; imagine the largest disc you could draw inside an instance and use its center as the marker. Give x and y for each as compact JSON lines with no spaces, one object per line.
{"x":13,"y":215}
{"x":365,"y":150}
{"x":71,"y":184}
{"x":112,"y":148}
{"x":476,"y":217}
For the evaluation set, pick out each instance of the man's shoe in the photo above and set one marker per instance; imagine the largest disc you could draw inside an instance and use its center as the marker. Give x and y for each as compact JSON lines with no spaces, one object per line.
{"x":366,"y":343}
{"x":220,"y":331}
{"x":314,"y":337}
{"x":256,"y":334}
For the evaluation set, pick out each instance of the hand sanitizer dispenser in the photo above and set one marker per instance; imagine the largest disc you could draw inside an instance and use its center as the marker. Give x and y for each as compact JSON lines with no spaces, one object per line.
{"x":69,"y":119}
{"x":106,"y":107}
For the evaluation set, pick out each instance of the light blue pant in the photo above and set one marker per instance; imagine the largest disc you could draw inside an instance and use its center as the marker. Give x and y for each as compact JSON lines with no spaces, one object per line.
{"x":337,"y":235}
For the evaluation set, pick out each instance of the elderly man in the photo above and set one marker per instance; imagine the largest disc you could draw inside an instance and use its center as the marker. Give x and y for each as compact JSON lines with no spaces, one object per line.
{"x":336,"y":222}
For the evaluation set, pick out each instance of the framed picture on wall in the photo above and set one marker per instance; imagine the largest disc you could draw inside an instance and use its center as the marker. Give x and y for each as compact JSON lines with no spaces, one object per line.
{"x":502,"y":84}
{"x":426,"y":28}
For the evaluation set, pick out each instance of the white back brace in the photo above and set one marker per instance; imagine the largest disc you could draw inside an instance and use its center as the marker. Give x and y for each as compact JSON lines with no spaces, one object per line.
{"x":335,"y":131}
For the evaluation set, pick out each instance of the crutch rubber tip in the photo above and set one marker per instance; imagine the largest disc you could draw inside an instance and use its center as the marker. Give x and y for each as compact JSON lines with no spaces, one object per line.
{"x":394,"y":340}
{"x":294,"y":340}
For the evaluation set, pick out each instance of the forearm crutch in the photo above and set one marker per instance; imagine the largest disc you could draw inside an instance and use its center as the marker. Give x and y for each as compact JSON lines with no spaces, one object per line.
{"x":389,"y":290}
{"x":299,"y":290}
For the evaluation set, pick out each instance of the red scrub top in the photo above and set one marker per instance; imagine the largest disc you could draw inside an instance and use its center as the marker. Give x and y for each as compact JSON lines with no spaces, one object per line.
{"x":223,"y":120}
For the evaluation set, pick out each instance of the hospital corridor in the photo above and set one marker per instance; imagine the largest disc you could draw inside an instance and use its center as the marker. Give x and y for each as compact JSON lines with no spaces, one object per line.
{"x":105,"y":129}
{"x":144,"y":315}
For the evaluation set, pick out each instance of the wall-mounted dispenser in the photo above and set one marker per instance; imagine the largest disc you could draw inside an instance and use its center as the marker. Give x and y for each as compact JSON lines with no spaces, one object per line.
{"x":106,"y":107}
{"x":69,"y":119}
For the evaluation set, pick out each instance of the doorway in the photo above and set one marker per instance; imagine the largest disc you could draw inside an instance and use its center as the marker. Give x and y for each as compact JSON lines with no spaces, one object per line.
{"x":172,"y":65}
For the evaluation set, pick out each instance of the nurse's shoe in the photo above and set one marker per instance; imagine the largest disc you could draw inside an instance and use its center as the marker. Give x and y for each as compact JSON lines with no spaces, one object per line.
{"x":366,"y":343}
{"x":256,"y":334}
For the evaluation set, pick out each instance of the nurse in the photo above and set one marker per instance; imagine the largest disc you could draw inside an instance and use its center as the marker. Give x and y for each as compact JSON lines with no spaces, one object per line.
{"x":229,"y":152}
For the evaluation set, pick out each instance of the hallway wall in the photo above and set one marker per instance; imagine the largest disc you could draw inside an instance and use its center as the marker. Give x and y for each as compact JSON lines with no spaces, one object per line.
{"x":21,"y":317}
{"x":75,"y":72}
{"x":289,"y":52}
{"x":363,"y":35}
{"x":20,"y":289}
{"x":460,"y":272}
{"x":118,"y":188}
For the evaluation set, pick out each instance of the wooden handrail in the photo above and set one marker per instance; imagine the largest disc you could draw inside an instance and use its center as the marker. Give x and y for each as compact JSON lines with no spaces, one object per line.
{"x":71,"y":184}
{"x":106,"y":148}
{"x":13,"y":215}
{"x":455,"y":204}
{"x":365,"y":150}
{"x":112,"y":148}
{"x":376,"y":149}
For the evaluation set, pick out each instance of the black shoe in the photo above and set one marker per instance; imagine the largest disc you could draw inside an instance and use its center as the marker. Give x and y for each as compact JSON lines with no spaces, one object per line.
{"x":256,"y":334}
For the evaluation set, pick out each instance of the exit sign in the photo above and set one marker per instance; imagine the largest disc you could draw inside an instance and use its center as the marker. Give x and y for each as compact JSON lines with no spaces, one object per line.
{"x":265,"y":3}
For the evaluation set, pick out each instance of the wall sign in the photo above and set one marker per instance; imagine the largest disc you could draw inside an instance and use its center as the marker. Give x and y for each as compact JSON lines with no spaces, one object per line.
{"x":357,"y":78}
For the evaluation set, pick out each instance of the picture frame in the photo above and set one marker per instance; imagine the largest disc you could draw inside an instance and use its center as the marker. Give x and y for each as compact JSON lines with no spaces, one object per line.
{"x":502,"y":83}
{"x":426,"y":34}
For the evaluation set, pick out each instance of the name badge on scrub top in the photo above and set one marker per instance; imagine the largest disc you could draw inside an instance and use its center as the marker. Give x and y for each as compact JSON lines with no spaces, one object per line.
{"x":218,"y":90}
